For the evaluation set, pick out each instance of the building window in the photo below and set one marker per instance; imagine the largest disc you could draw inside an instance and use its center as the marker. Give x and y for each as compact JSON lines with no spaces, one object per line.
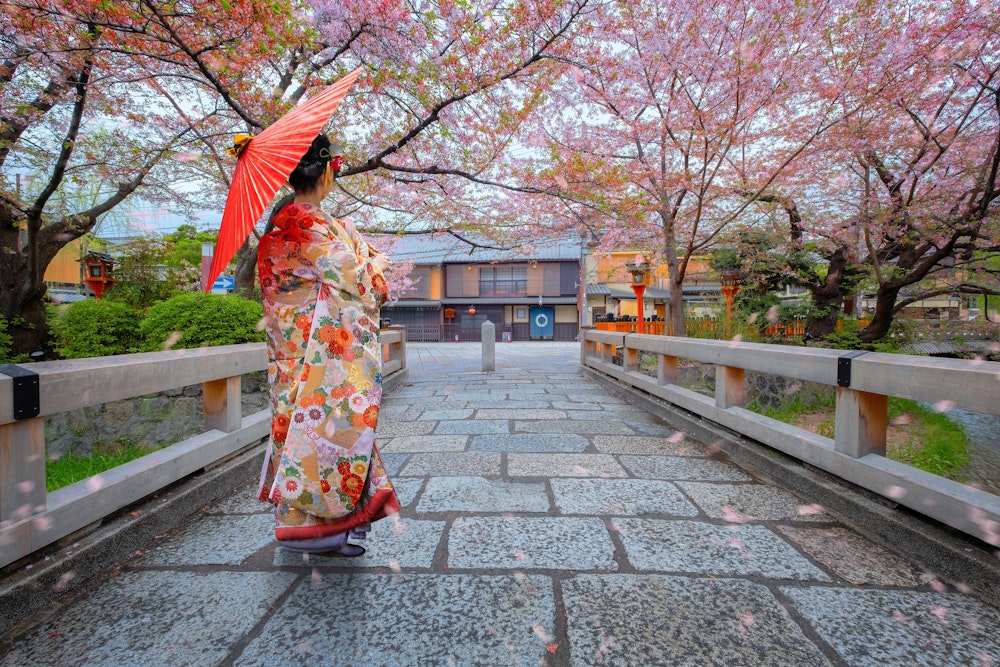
{"x":503,"y":280}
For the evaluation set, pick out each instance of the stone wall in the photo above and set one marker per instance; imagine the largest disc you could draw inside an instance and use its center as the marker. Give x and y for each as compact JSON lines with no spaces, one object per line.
{"x":153,"y":421}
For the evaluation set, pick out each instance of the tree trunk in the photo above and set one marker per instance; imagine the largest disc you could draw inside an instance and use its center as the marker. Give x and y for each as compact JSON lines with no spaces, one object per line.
{"x":246,"y":270}
{"x":828,"y":297}
{"x":885,"y":304}
{"x":678,"y":326}
{"x":22,"y":305}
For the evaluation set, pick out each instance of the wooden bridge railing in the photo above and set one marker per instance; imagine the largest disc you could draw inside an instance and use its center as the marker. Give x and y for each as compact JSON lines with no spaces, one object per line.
{"x":863,"y":383}
{"x":31,"y":518}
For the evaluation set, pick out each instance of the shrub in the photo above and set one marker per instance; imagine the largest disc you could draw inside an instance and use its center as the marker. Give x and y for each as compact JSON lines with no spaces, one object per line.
{"x":194,"y":320}
{"x":95,"y":328}
{"x":6,"y":342}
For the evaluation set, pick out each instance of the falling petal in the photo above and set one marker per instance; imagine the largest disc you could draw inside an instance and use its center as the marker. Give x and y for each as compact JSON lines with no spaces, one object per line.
{"x":43,"y":523}
{"x":316,"y":576}
{"x":394,"y":566}
{"x":540,"y":631}
{"x":728,"y":514}
{"x":552,"y":648}
{"x":895,"y":492}
{"x":939,"y":587}
{"x":95,"y":483}
{"x":944,"y":406}
{"x":64,"y":580}
{"x":677,"y":436}
{"x":902,"y":420}
{"x":171,"y":340}
{"x":811,"y":509}
{"x":26,"y":486}
{"x":941,"y":613}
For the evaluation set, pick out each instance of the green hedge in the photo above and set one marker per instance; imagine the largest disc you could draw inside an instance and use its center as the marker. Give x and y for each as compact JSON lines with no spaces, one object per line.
{"x":194,"y":319}
{"x":95,"y":328}
{"x":102,"y":327}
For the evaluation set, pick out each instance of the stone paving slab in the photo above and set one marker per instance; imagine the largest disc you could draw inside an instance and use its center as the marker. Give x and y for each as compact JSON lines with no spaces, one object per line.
{"x":460,"y":464}
{"x":244,"y":503}
{"x":584,"y":427}
{"x":856,"y":559}
{"x":529,"y":442}
{"x":620,"y":497}
{"x":530,"y":543}
{"x":227,"y":540}
{"x":527,"y":413}
{"x":435,"y":415}
{"x":390,"y":429}
{"x":476,"y":494}
{"x":409,"y":444}
{"x":739,"y":503}
{"x":404,"y":620}
{"x":879,"y":628}
{"x":676,"y":444}
{"x":407,"y":489}
{"x":394,"y":462}
{"x":155,"y":618}
{"x":695,"y":546}
{"x":473,"y":427}
{"x":627,"y":620}
{"x":564,"y":465}
{"x":681,"y":468}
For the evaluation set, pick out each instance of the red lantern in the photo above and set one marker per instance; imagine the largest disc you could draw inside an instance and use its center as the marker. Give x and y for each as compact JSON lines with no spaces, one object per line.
{"x":472,"y":310}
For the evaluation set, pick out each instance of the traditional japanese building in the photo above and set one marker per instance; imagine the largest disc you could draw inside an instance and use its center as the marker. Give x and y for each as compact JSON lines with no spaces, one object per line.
{"x":530,"y":293}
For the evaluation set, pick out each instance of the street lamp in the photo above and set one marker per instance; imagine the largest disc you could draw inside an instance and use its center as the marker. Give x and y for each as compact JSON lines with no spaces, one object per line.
{"x":639,"y":269}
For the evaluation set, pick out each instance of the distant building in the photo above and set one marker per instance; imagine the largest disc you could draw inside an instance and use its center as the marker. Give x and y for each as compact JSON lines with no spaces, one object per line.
{"x":529,"y":293}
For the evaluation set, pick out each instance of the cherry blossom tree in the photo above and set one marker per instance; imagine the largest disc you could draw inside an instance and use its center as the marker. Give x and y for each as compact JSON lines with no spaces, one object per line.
{"x":145,"y":94}
{"x":677,"y":115}
{"x":85,"y":102}
{"x":906,"y":184}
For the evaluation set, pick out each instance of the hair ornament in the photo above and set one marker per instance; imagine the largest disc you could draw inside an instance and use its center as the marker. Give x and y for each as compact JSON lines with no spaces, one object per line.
{"x":240,"y":142}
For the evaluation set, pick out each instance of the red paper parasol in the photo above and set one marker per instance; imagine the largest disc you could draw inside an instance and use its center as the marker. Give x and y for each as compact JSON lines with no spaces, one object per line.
{"x":264,"y":163}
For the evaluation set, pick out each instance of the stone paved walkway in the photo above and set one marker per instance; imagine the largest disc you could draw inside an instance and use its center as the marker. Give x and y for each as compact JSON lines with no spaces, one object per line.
{"x":545,"y":522}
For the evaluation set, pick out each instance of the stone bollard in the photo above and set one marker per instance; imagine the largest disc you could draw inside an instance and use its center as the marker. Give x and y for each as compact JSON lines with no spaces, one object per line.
{"x":489,"y":346}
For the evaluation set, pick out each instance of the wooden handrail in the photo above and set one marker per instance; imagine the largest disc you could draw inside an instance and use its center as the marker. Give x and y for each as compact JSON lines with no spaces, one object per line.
{"x":31,"y":518}
{"x":863,"y":383}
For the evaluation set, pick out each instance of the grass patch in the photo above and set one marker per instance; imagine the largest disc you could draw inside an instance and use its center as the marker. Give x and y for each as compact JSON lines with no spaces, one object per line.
{"x":71,"y":468}
{"x":942,"y":447}
{"x":918,"y":435}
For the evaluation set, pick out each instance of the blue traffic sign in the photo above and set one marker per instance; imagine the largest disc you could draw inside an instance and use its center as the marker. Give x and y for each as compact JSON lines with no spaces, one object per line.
{"x":224,"y":282}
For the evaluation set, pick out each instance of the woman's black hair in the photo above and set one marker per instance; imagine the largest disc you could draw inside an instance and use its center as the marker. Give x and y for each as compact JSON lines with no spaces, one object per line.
{"x":312,"y":166}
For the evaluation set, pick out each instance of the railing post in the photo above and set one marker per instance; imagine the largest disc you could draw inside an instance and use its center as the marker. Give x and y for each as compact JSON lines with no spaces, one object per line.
{"x":396,"y":350}
{"x":22,"y":469}
{"x":862,"y":419}
{"x":630,"y":358}
{"x":730,"y":387}
{"x":587,"y":347}
{"x":223,"y":407}
{"x":489,"y":343}
{"x":666,"y":370}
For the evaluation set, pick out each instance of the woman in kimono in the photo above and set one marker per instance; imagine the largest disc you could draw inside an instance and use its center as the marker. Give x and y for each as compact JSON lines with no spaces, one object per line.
{"x":322,"y":287}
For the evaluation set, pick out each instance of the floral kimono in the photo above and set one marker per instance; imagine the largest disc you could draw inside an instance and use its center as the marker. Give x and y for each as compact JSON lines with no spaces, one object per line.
{"x":321,"y":293}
